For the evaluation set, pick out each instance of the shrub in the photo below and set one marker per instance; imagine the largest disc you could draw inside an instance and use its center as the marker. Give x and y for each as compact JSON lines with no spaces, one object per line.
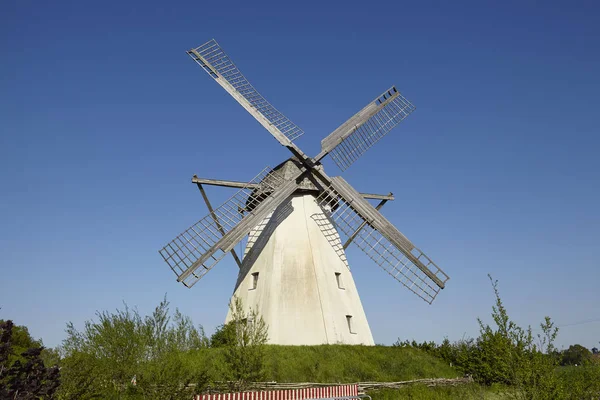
{"x":505,"y":354}
{"x":246,"y":358}
{"x":126,"y":354}
{"x":224,"y":336}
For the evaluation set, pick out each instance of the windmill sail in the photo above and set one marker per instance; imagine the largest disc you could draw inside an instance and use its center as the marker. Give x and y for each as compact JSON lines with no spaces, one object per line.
{"x":355,"y":136}
{"x":211,"y":57}
{"x":197,"y":250}
{"x":380,"y":240}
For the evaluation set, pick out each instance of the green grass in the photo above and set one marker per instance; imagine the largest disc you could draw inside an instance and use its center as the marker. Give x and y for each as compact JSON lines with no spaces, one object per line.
{"x":336,"y":364}
{"x":418,"y":392}
{"x":581,"y":380}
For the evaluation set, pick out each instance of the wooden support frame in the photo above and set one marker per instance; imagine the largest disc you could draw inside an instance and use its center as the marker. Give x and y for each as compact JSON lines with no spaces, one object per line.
{"x":214,"y":217}
{"x":238,"y":184}
{"x":357,"y":231}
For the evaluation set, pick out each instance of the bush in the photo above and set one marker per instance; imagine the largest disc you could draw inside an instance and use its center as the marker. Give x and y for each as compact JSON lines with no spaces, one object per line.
{"x":125,"y":354}
{"x":224,"y":336}
{"x":245,"y":359}
{"x":582,"y":382}
{"x":505,"y":354}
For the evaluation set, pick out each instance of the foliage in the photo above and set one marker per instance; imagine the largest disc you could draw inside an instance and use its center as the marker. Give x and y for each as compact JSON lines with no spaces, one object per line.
{"x":576,"y":355}
{"x":224,"y":336}
{"x":536,"y":374}
{"x":245,"y":359}
{"x":170,"y":368}
{"x":24,"y":375}
{"x":506,"y":354}
{"x":417,"y":392}
{"x":521,"y":365}
{"x":351,"y":363}
{"x":126,"y":356}
{"x":581,"y":382}
{"x":20,"y":342}
{"x":170,"y":378}
{"x":460,"y":354}
{"x":330,"y":364}
{"x":103,"y":358}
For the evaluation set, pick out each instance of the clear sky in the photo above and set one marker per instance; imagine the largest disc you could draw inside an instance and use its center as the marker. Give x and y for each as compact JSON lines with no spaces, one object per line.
{"x":104,"y":119}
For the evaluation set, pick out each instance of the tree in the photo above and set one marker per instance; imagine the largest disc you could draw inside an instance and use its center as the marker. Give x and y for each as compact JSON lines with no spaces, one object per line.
{"x":25,"y":377}
{"x":20,"y":342}
{"x":576,"y":355}
{"x":245,"y":359}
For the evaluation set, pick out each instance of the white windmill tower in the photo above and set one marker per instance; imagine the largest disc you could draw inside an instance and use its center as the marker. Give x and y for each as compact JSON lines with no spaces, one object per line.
{"x":298,"y":221}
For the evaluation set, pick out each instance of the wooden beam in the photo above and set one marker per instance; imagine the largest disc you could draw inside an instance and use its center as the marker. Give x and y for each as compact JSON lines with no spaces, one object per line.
{"x":217,"y":182}
{"x":244,"y":102}
{"x":386,"y":229}
{"x":227,"y":242}
{"x":219,"y":226}
{"x":237,"y":184}
{"x":356,"y":121}
{"x":378,"y":196}
{"x":351,"y":238}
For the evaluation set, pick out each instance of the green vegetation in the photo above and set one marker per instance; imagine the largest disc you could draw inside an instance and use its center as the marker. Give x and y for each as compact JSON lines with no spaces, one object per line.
{"x":330,"y":363}
{"x":576,"y":355}
{"x":509,"y":356}
{"x":245,"y":357}
{"x":465,"y":392}
{"x":23,"y":374}
{"x":345,"y":363}
{"x":123,"y":355}
{"x":172,"y":359}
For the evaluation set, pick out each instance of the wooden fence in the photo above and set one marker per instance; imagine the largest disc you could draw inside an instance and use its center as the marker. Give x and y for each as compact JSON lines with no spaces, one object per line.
{"x":310,"y":390}
{"x":287,"y":394}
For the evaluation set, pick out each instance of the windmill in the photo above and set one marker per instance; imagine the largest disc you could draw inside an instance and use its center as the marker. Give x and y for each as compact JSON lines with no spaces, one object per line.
{"x":298,"y":221}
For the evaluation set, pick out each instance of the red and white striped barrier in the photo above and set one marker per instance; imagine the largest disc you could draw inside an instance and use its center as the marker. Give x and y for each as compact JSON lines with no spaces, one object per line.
{"x":290,"y":394}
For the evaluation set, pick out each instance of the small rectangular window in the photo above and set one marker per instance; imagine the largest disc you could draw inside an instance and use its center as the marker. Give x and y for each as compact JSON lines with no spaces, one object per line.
{"x":338,"y":279}
{"x":254,"y":281}
{"x":350,"y":326}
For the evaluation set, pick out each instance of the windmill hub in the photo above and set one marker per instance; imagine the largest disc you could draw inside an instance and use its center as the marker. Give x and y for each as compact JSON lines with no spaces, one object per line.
{"x":298,"y":221}
{"x":290,"y":169}
{"x":287,"y":171}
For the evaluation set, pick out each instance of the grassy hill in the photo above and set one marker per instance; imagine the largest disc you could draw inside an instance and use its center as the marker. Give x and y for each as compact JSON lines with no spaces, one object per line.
{"x":349,"y":364}
{"x":336,"y":364}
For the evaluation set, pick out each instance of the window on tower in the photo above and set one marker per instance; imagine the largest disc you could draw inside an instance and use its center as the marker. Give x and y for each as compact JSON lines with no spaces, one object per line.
{"x":338,"y":279}
{"x":350,"y":325}
{"x":254,"y":281}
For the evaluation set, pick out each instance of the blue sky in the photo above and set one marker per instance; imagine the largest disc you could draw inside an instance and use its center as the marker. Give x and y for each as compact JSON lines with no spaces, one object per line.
{"x":104,"y":119}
